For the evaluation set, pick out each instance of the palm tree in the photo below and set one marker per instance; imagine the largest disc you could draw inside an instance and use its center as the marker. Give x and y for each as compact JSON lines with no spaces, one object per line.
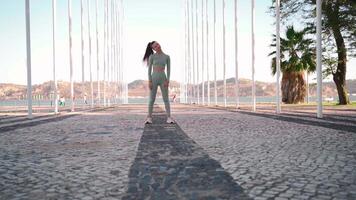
{"x":297,"y":56}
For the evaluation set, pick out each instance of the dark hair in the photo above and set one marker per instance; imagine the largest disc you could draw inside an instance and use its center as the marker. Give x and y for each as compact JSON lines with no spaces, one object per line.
{"x":148,"y":52}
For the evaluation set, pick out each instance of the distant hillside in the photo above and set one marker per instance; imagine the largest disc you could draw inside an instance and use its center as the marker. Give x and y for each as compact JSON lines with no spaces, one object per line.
{"x":139,"y":88}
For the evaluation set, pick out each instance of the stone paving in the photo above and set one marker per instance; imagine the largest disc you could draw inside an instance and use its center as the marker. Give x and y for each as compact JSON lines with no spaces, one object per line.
{"x":110,"y":154}
{"x":275,"y":158}
{"x":80,"y":157}
{"x":169,"y":165}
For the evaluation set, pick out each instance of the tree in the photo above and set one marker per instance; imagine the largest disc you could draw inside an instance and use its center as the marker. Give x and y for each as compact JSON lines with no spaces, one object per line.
{"x":297,"y":56}
{"x":339,"y":32}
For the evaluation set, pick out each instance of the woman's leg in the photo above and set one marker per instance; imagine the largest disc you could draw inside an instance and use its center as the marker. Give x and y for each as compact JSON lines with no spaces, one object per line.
{"x":152,"y":98}
{"x":164,"y":91}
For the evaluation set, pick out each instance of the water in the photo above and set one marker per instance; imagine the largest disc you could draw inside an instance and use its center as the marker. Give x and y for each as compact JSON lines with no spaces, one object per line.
{"x":80,"y":102}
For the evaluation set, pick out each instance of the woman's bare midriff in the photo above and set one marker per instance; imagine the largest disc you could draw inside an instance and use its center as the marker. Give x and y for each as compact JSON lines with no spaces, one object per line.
{"x":158,"y":69}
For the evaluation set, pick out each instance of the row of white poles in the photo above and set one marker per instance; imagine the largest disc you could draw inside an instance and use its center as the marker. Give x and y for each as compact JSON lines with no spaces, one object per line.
{"x":112,"y":74}
{"x":191,"y":70}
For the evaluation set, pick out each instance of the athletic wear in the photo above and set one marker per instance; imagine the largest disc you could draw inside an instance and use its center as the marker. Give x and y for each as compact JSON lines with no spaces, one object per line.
{"x":159,"y":60}
{"x":158,"y":78}
{"x":170,"y":120}
{"x":148,"y":120}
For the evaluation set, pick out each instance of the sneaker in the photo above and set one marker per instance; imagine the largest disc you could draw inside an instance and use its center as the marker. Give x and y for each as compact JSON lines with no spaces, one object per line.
{"x":148,"y":120}
{"x":170,"y":120}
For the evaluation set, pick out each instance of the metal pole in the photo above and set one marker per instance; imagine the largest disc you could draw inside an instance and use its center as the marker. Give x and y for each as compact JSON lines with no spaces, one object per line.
{"x":91,"y":77}
{"x":82,"y":37}
{"x":104,"y":53}
{"x":120,"y":54}
{"x":189,"y":54}
{"x":70,"y":55}
{"x":207,"y":48}
{"x":28,"y":46}
{"x":55,"y":96}
{"x":307,"y":75}
{"x":202,"y":50}
{"x":236,"y":59}
{"x":114,"y":48}
{"x":224,"y":52}
{"x":108,"y":53}
{"x":122,"y":57}
{"x":186,"y":50}
{"x":196,"y":49}
{"x":253,"y":54}
{"x":318,"y":59}
{"x":278,"y":56}
{"x":117,"y":49}
{"x":215,"y":85}
{"x":193,"y":54}
{"x":97,"y":50}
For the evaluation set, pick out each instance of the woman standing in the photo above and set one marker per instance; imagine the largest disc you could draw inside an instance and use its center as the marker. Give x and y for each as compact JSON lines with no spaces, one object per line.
{"x":157,"y":62}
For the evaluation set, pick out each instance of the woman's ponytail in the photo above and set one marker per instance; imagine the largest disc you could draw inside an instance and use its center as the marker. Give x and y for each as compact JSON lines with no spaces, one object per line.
{"x":148,"y":52}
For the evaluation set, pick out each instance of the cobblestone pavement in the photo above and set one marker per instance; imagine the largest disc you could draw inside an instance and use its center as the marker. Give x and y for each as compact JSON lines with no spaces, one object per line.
{"x":169,"y":165}
{"x":101,"y":155}
{"x":86,"y":156}
{"x":271,"y":157}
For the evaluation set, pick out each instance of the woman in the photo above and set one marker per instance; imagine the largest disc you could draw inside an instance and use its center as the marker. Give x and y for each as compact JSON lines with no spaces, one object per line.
{"x":157,"y":62}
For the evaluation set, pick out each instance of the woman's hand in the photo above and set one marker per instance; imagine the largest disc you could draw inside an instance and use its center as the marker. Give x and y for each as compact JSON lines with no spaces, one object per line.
{"x":150,"y":85}
{"x":166,"y":83}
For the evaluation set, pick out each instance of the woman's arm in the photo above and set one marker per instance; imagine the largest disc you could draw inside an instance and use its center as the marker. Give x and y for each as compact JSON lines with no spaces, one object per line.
{"x":168,"y":68}
{"x":150,"y":62}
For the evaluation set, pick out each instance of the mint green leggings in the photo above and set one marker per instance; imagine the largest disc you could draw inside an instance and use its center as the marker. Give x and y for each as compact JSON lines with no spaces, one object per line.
{"x":158,"y":79}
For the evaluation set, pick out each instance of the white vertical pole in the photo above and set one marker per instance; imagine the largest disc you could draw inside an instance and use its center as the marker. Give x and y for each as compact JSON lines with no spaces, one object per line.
{"x":318,"y":59}
{"x":70,"y":55}
{"x":197,"y":49}
{"x":97,"y":50}
{"x":108,"y":52}
{"x":104,"y":53}
{"x":82,"y":38}
{"x":253,"y":54}
{"x":90,"y":71}
{"x":202,"y":50}
{"x":207,"y":47}
{"x":28,"y":46}
{"x":193,"y":54}
{"x":116,"y":54}
{"x":236,"y":59}
{"x":55,"y":96}
{"x":114,"y":47}
{"x":215,"y":85}
{"x":224,"y":53}
{"x":122,"y":58}
{"x":278,"y":57}
{"x":185,"y":53}
{"x":120,"y":54}
{"x":307,"y":77}
{"x":117,"y":48}
{"x":189,"y":54}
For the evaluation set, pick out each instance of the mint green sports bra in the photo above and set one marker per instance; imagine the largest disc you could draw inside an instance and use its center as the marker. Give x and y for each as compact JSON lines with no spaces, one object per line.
{"x":160,"y":60}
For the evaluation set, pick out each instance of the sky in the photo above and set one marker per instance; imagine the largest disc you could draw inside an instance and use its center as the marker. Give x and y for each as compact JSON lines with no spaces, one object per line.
{"x":144,"y":21}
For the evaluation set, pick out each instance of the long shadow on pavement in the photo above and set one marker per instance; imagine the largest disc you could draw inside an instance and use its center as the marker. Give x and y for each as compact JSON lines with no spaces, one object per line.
{"x":326,"y":122}
{"x":170,"y":165}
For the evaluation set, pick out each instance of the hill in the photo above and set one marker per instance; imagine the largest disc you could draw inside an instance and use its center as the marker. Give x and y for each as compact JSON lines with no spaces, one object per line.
{"x":138,"y":88}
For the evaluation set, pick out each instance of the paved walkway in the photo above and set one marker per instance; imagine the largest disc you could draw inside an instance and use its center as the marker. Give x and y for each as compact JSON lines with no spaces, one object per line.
{"x":209,"y":154}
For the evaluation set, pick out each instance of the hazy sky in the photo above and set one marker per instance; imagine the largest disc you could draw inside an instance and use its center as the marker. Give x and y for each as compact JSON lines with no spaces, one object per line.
{"x":160,"y":20}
